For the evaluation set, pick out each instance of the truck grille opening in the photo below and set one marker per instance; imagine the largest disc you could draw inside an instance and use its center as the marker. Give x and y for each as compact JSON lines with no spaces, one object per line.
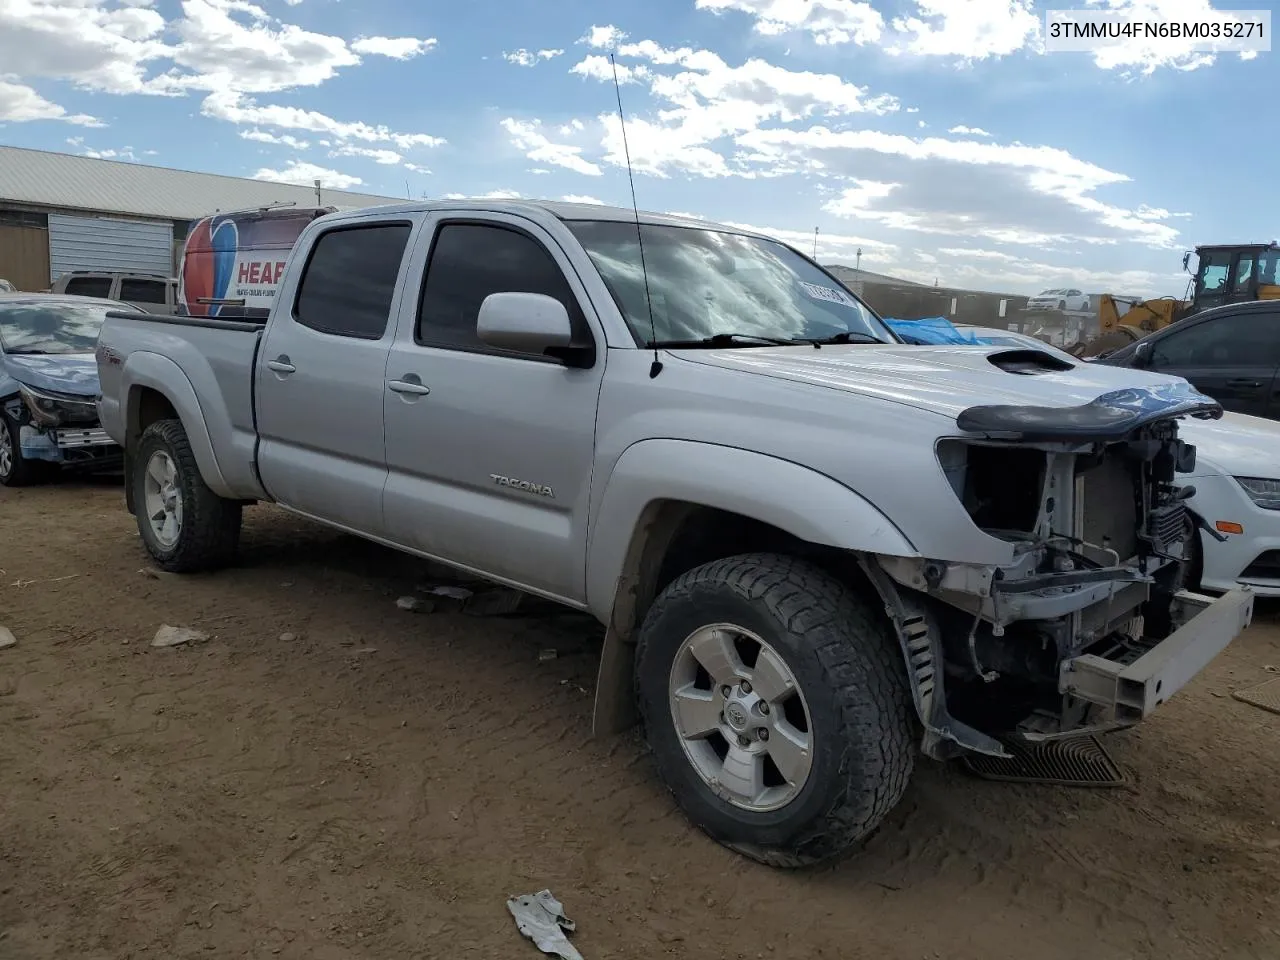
{"x":999,"y":485}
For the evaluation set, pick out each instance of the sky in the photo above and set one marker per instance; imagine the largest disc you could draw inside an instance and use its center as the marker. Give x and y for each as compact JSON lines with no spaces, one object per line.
{"x":936,"y":136}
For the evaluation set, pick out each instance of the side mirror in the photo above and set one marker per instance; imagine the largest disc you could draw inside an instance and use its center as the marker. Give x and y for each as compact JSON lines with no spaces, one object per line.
{"x":524,"y":322}
{"x":1142,"y":355}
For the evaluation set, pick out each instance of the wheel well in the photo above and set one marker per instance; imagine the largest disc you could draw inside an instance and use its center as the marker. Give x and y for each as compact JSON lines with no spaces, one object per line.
{"x":671,"y":538}
{"x":682,"y":536}
{"x":146,"y":406}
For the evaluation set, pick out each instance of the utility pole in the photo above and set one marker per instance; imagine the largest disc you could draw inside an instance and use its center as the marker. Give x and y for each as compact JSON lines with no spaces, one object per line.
{"x":859,"y":260}
{"x":815,"y":243}
{"x":318,"y":203}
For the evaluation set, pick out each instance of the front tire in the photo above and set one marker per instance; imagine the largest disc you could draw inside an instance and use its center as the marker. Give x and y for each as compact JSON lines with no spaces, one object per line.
{"x":15,"y":471}
{"x":184,"y":525}
{"x":775,"y":702}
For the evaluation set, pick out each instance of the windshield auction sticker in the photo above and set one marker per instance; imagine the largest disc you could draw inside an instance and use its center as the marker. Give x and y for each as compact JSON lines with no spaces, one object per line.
{"x":829,"y":294}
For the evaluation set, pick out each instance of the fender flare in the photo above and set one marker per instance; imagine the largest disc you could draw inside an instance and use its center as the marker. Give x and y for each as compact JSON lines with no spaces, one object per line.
{"x":159,"y":373}
{"x":809,"y":505}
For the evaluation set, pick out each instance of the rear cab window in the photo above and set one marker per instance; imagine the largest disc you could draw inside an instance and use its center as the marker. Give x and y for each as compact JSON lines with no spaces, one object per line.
{"x":349,"y":282}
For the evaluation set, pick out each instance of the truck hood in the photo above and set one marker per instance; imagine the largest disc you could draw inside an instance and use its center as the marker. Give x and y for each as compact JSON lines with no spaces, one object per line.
{"x":75,"y":373}
{"x":997,"y":388}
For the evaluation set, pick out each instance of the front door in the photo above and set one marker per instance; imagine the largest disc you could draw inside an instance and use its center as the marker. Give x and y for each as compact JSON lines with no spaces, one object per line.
{"x":1232,"y":358}
{"x":320,"y":373}
{"x":490,"y":452}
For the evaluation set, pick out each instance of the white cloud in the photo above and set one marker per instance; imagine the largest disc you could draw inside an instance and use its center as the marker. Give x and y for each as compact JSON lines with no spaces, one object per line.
{"x":967,"y":29}
{"x":1143,"y":56}
{"x":597,"y":67}
{"x":969,"y":131}
{"x":305,"y":174}
{"x":124,"y":153}
{"x":415,"y":167}
{"x":397,"y":48}
{"x":281,"y":139}
{"x":527,"y":136}
{"x":1011,"y":193}
{"x":572,"y":127}
{"x":377,"y":155}
{"x":706,"y":101}
{"x":603,"y":37}
{"x":581,"y":198}
{"x":97,"y":45}
{"x":827,"y":21}
{"x":19,"y":104}
{"x":529,"y":58}
{"x":234,"y":108}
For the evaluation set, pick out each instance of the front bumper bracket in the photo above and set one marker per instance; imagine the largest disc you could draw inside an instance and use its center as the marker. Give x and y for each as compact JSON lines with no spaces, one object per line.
{"x":1133,"y":689}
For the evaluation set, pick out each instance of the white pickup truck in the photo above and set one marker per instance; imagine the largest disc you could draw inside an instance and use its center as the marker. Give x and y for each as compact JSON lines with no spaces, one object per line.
{"x":818,"y":551}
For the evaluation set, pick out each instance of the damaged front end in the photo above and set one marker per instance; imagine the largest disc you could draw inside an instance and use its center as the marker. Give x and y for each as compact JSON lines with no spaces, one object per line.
{"x":61,"y":429}
{"x":1088,"y":627}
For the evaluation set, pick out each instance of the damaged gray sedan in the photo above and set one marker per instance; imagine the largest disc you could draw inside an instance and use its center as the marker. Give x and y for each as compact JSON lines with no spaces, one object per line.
{"x":49,"y":387}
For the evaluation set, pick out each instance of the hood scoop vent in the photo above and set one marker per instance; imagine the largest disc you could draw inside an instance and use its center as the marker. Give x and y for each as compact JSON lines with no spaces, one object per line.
{"x":1028,"y":362}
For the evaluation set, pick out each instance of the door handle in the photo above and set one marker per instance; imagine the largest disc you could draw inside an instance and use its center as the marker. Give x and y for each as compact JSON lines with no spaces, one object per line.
{"x":413,"y":387}
{"x":1248,"y":384}
{"x":281,"y":364}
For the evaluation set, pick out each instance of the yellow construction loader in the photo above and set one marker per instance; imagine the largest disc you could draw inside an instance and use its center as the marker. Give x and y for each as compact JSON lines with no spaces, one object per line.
{"x":1224,"y":274}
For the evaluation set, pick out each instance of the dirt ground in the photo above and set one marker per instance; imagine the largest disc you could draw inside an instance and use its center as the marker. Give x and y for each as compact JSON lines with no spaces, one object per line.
{"x":376,"y":785}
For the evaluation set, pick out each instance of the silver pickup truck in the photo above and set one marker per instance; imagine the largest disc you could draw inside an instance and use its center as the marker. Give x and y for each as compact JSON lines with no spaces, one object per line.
{"x":818,"y":551}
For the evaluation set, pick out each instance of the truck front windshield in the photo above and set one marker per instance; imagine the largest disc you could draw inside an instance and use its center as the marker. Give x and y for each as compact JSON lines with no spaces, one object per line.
{"x":33,"y":327}
{"x":708,"y":283}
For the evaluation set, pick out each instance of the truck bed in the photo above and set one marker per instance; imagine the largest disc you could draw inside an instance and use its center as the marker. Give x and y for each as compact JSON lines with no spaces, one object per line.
{"x":216,"y":358}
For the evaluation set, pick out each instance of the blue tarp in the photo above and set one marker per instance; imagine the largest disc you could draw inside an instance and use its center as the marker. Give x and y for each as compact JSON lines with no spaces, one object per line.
{"x":931,"y":330}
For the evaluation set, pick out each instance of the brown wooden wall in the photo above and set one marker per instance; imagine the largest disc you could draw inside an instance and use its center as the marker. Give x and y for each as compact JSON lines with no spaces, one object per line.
{"x":24,"y":256}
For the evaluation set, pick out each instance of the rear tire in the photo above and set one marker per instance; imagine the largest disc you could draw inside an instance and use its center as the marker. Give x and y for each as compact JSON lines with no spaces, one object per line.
{"x":14,"y":470}
{"x":184,"y":525}
{"x":838,"y":713}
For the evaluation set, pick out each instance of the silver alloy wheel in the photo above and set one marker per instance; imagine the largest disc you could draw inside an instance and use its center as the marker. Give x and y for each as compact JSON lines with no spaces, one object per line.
{"x":745,"y":729}
{"x":162,"y":498}
{"x":6,"y":448}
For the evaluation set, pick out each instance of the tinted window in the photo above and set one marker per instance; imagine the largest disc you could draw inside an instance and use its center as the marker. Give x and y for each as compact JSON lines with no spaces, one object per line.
{"x":470,"y":261}
{"x":1241,"y":340}
{"x":89,"y":286}
{"x":142,"y":291}
{"x":350,"y":280}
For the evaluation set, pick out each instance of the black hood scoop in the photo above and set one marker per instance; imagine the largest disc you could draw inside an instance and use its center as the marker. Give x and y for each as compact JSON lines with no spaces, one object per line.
{"x":1028,"y":362}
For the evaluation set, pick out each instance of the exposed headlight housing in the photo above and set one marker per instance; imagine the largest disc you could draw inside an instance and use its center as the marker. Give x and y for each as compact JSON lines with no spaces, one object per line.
{"x":1265,"y":493}
{"x":51,"y":409}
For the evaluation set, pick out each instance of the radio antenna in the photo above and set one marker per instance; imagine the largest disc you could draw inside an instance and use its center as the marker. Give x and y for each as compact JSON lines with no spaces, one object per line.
{"x":655,"y":368}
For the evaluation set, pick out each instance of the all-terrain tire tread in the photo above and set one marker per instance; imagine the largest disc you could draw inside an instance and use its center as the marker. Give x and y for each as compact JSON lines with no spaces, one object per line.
{"x":210,"y":524}
{"x":861,"y":658}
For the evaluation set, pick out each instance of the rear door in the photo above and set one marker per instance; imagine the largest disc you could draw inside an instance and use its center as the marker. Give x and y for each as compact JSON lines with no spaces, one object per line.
{"x":490,"y":452}
{"x":1232,"y":357}
{"x":320,"y":374}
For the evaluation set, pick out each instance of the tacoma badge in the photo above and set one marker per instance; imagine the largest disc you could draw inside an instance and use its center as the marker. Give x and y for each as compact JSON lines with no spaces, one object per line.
{"x":541,"y":489}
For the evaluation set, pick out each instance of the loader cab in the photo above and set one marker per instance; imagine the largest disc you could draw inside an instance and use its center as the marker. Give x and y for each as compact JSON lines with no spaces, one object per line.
{"x":1235,"y":274}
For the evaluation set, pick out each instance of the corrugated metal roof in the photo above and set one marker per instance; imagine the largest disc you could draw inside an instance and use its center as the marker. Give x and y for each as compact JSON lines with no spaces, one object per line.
{"x":112,"y":186}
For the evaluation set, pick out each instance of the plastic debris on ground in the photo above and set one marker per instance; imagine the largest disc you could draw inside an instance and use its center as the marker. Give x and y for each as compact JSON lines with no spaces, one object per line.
{"x":7,"y":639}
{"x":540,"y":918}
{"x":168,"y":636}
{"x":932,"y":330}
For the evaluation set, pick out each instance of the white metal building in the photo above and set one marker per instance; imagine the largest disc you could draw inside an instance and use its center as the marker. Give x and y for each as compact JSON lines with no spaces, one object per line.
{"x":60,"y":212}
